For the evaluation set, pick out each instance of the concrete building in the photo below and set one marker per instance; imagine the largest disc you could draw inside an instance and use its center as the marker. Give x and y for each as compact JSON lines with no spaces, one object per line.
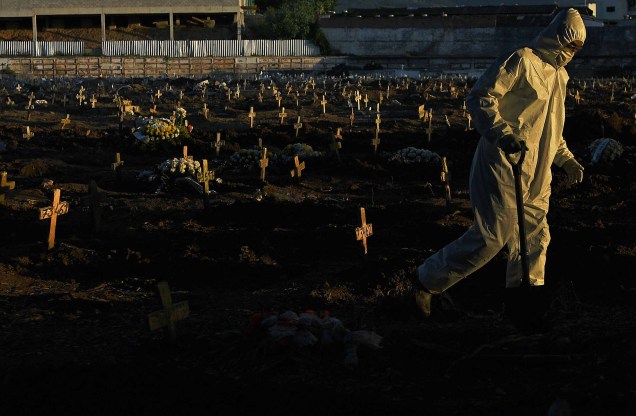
{"x":85,"y":10}
{"x":615,"y":10}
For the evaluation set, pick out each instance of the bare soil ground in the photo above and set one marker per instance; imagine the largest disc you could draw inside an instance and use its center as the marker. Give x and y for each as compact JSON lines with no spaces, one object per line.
{"x":74,"y":337}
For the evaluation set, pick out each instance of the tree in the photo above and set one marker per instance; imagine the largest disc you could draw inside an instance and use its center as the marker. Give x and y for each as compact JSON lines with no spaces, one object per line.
{"x":295,"y":19}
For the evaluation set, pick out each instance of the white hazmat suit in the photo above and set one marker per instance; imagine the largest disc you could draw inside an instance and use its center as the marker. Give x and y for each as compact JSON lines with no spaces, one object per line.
{"x":521,"y":94}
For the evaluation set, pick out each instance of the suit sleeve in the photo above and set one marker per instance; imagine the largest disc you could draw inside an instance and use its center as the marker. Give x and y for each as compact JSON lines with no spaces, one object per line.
{"x":483,"y":100}
{"x":563,"y":154}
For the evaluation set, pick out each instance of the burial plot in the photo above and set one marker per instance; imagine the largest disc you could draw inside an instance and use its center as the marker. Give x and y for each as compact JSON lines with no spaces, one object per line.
{"x":52,"y":212}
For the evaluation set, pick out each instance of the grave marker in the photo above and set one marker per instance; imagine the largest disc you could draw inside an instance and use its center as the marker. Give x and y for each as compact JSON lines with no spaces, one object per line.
{"x":205,"y":111}
{"x":18,"y":88}
{"x":218,"y":143}
{"x":185,"y":153}
{"x":378,"y":121}
{"x":445,"y":179}
{"x":375,"y":142}
{"x":170,"y":314}
{"x":65,"y":121}
{"x":64,"y":101}
{"x":93,"y":101}
{"x":251,"y":116}
{"x":117,"y":166}
{"x":297,"y":126}
{"x":279,"y":98}
{"x":158,"y":94}
{"x":365,"y":231}
{"x":80,"y":96}
{"x":29,"y":134}
{"x":324,"y":104}
{"x":264,"y":162}
{"x":153,"y":110}
{"x":366,"y":101}
{"x":5,"y":186}
{"x":298,"y":169}
{"x":205,"y":177}
{"x":29,"y":107}
{"x":57,"y":208}
{"x":282,"y":116}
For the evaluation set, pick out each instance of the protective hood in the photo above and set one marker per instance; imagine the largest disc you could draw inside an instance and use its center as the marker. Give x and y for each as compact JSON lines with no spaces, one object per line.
{"x":565,"y":28}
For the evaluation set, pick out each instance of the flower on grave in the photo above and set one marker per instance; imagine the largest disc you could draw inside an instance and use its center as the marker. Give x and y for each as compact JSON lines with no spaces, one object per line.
{"x":303,"y":151}
{"x":180,"y":167}
{"x":160,"y":129}
{"x":415,"y":155}
{"x":180,"y":114}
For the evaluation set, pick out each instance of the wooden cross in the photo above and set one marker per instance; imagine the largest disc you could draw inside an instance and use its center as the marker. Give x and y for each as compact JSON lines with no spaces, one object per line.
{"x":298,"y":169}
{"x":218,"y":143}
{"x":80,"y":96}
{"x":229,"y":94}
{"x":153,"y":110}
{"x":65,"y":121}
{"x":185,"y":153}
{"x":57,"y":208}
{"x":352,"y":117}
{"x":297,"y":126}
{"x":445,"y":179}
{"x":117,"y":166}
{"x":64,"y":101}
{"x":378,"y":121}
{"x":180,"y":95}
{"x":31,"y":96}
{"x":29,"y":107}
{"x":10,"y":102}
{"x":282,"y":116}
{"x":324,"y":104}
{"x":469,"y":118}
{"x":366,"y":100}
{"x":94,"y":202}
{"x":464,"y":109}
{"x":279,"y":97}
{"x":251,"y":116}
{"x":205,"y":111}
{"x":205,"y":177}
{"x":429,"y":130}
{"x":358,"y":99}
{"x":264,"y":162}
{"x":93,"y":101}
{"x":447,"y":120}
{"x":375,"y":142}
{"x":381,"y":99}
{"x":577,"y":97}
{"x":260,"y":98}
{"x":18,"y":88}
{"x":365,"y":231}
{"x":170,"y":313}
{"x":29,"y":134}
{"x":158,"y":94}
{"x":5,"y":185}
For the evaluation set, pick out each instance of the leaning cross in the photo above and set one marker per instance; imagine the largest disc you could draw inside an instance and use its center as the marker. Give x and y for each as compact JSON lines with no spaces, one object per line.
{"x":5,"y":185}
{"x":170,"y":314}
{"x":205,"y":177}
{"x":282,"y":116}
{"x":57,"y":208}
{"x":264,"y":162}
{"x":298,"y":169}
{"x":29,"y":107}
{"x":65,"y":121}
{"x":365,"y":231}
{"x":251,"y":116}
{"x":117,"y":166}
{"x":153,"y":110}
{"x":297,"y":126}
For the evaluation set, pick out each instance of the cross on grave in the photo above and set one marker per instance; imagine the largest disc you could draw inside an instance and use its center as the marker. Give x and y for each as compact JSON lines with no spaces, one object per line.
{"x":180,"y":95}
{"x":260,"y":98}
{"x":205,"y":177}
{"x":297,"y":126}
{"x":279,"y":98}
{"x":80,"y":96}
{"x":94,"y":200}
{"x":170,"y":313}
{"x":365,"y":231}
{"x":429,"y":129}
{"x":445,"y":178}
{"x":264,"y":162}
{"x":229,"y":94}
{"x":205,"y":111}
{"x":447,"y":120}
{"x":218,"y":143}
{"x":282,"y":116}
{"x":57,"y":208}
{"x":464,"y":109}
{"x":251,"y":116}
{"x":388,"y":90}
{"x":29,"y":134}
{"x":65,"y":121}
{"x":323,"y":102}
{"x":167,"y":87}
{"x":298,"y":168}
{"x":153,"y":110}
{"x":18,"y":88}
{"x":185,"y":153}
{"x":10,"y":102}
{"x":93,"y":101}
{"x":31,"y":96}
{"x":29,"y":107}
{"x":375,"y":142}
{"x":366,"y":100}
{"x":5,"y":186}
{"x":378,"y":121}
{"x":117,"y":166}
{"x":380,"y":99}
{"x":358,"y":98}
{"x":158,"y":94}
{"x":352,"y":117}
{"x":64,"y":101}
{"x":469,"y":118}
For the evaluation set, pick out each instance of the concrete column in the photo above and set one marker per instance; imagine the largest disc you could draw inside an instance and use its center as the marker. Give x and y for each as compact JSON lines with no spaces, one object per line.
{"x":171,"y":21}
{"x":238,"y":25}
{"x":103,"y":17}
{"x":34,"y":22}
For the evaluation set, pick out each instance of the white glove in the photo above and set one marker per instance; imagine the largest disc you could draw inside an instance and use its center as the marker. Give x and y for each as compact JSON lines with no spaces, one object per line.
{"x":574,"y":171}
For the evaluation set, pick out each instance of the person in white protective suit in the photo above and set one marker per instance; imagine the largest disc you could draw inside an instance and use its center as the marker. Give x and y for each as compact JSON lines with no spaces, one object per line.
{"x":520,"y":98}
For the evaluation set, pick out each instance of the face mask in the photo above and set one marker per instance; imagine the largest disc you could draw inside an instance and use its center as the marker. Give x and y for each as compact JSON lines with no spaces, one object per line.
{"x":564,"y":57}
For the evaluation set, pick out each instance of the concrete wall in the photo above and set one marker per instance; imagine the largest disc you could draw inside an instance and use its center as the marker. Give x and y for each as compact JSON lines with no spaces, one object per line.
{"x":24,"y":8}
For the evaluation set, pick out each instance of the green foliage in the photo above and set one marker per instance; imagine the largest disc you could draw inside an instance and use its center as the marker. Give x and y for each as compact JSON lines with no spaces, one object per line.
{"x":294,"y":19}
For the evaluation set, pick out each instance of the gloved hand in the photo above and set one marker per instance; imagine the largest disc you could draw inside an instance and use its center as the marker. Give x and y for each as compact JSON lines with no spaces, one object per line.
{"x":511,"y":143}
{"x":574,"y":171}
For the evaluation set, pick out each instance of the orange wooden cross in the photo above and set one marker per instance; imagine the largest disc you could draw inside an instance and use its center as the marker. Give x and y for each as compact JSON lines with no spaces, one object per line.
{"x":365,"y":231}
{"x":5,"y":185}
{"x":57,"y":208}
{"x":298,"y":169}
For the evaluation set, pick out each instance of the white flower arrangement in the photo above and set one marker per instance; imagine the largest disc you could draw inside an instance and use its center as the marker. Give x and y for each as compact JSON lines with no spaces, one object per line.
{"x":415,"y":155}
{"x":180,"y":167}
{"x":157,"y":129}
{"x":180,"y":113}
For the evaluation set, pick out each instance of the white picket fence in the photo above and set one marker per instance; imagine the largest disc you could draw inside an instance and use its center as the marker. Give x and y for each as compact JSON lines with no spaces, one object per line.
{"x":28,"y":48}
{"x":204,"y":48}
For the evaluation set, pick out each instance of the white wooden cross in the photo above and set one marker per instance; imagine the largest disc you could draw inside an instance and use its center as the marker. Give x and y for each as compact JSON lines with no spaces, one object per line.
{"x":158,"y":94}
{"x":365,"y":231}
{"x":29,"y":134}
{"x":282,"y":116}
{"x":29,"y":107}
{"x":298,"y":169}
{"x":170,"y":313}
{"x":57,"y":208}
{"x":264,"y":162}
{"x":65,"y":121}
{"x":366,"y":101}
{"x":180,"y":95}
{"x":251,"y":116}
{"x":577,"y":97}
{"x":297,"y":126}
{"x":18,"y":88}
{"x":205,"y":111}
{"x":5,"y":185}
{"x":64,"y":101}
